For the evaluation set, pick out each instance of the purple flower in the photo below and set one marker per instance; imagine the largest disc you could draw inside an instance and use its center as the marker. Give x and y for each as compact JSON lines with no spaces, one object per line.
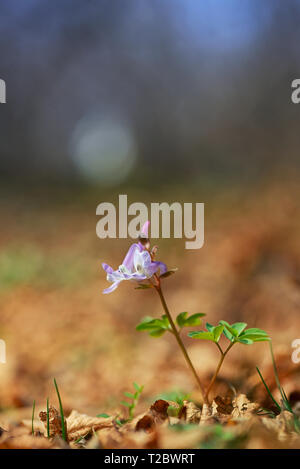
{"x":137,"y":265}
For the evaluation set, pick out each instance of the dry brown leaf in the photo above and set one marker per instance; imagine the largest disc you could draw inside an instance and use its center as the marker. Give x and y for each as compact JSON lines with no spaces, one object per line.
{"x":190,"y":412}
{"x":169,"y":439}
{"x":283,"y":425}
{"x":207,"y":416}
{"x":20,"y":438}
{"x":125,"y":438}
{"x":226,"y":410}
{"x":55,"y":427}
{"x":242,"y":407}
{"x":224,"y":405}
{"x":80,"y":425}
{"x":156,"y":415}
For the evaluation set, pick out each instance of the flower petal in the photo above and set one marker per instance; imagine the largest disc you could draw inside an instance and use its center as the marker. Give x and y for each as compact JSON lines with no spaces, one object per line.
{"x":128,"y":260}
{"x":112,"y":287}
{"x":145,"y":228}
{"x":138,"y":276}
{"x":139,"y":259}
{"x":160,"y":266}
{"x":107,"y":268}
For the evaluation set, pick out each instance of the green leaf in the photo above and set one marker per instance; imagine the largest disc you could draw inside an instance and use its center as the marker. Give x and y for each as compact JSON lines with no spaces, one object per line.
{"x":105,"y":416}
{"x":194,"y":319}
{"x":209,"y":327}
{"x":228,"y":328}
{"x":129,"y":394}
{"x":213,"y":333}
{"x":255,"y":335}
{"x":165,"y":323}
{"x":126,"y":404}
{"x":181,"y":318}
{"x":153,"y":325}
{"x":184,"y":321}
{"x":255,"y":331}
{"x":239,"y":327}
{"x":137,"y":387}
{"x":237,"y":332}
{"x":261,"y":339}
{"x":217,"y":331}
{"x":202,"y":335}
{"x":157,"y":332}
{"x":245,"y":341}
{"x":143,"y":326}
{"x":255,"y":338}
{"x":228,"y":335}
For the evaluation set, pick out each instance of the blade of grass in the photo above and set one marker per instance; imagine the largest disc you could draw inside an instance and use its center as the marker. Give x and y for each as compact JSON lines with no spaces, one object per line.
{"x":284,"y":397}
{"x":32,"y":417}
{"x":63,"y":427}
{"x":276,"y":372}
{"x":268,"y":390}
{"x":48,"y":422}
{"x":285,"y":400}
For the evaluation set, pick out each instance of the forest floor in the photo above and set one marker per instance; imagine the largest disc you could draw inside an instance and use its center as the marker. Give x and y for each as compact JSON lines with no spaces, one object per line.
{"x":57,"y":324}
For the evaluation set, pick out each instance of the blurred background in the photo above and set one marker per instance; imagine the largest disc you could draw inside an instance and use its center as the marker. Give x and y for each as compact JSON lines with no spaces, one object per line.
{"x":168,"y":100}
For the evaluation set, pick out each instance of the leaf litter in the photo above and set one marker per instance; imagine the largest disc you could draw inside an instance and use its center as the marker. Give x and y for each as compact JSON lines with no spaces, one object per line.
{"x":254,"y":275}
{"x":225,"y":423}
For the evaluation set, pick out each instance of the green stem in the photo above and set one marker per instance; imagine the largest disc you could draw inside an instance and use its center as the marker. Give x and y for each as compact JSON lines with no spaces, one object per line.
{"x":179,"y":341}
{"x":32,"y":418}
{"x":223,"y":355}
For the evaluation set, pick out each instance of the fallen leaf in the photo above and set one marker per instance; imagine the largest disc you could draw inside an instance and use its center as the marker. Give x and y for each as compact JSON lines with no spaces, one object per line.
{"x":224,"y":405}
{"x":242,"y":407}
{"x":80,"y":425}
{"x":55,"y":427}
{"x":157,"y":415}
{"x":190,"y":412}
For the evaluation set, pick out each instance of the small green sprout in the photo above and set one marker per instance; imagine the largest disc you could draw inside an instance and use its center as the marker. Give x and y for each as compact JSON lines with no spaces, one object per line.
{"x":176,"y":396}
{"x":268,"y":390}
{"x":119,"y":422}
{"x":134,"y":397}
{"x":63,"y":427}
{"x":235,"y":333}
{"x":284,"y":399}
